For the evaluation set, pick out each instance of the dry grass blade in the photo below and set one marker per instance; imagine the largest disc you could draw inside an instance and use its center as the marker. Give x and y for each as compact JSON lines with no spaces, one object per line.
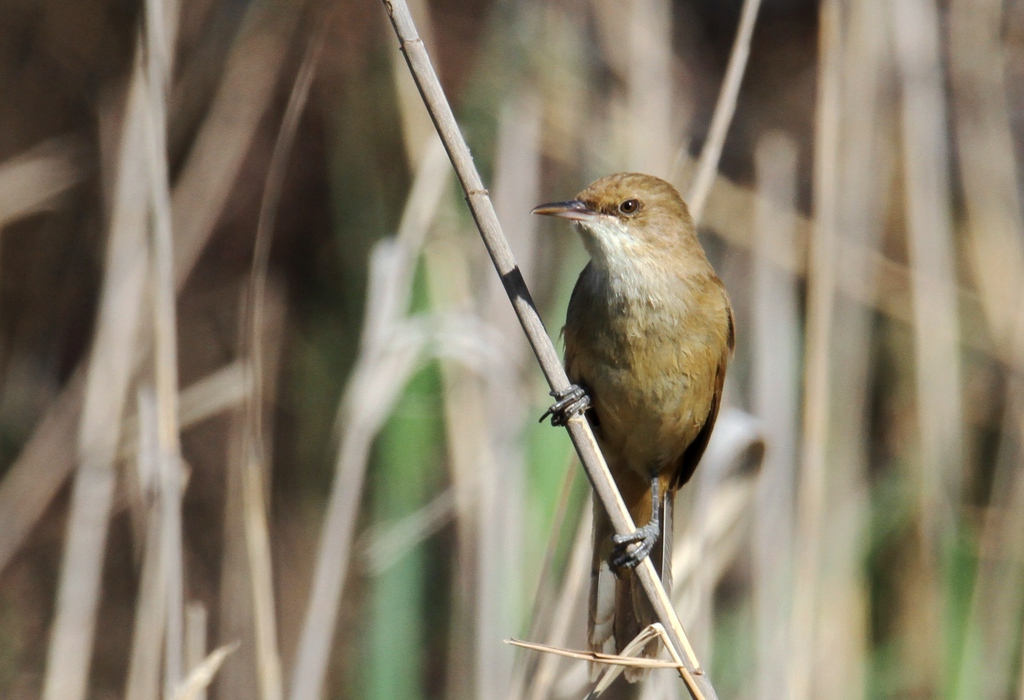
{"x":916,"y":25}
{"x":150,"y":606}
{"x":645,"y":27}
{"x":775,"y":390}
{"x":490,"y":230}
{"x":252,"y":315}
{"x":543,"y":599}
{"x":245,"y":568}
{"x":576,"y":575}
{"x":982,"y":118}
{"x":218,"y":391}
{"x":225,"y":136}
{"x":382,"y":547}
{"x":599,"y":658}
{"x":636,"y":646}
{"x":477,"y":195}
{"x":985,"y":146}
{"x":200,"y":678}
{"x":252,"y":458}
{"x":257,"y":540}
{"x":862,"y":175}
{"x":724,"y":110}
{"x":821,"y":282}
{"x":30,"y":182}
{"x":110,"y":369}
{"x":467,"y":447}
{"x":417,"y":131}
{"x":916,"y":30}
{"x":196,"y":623}
{"x":147,"y":639}
{"x":165,"y":332}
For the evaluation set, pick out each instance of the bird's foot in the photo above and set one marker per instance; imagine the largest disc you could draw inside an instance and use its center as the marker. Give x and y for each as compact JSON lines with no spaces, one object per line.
{"x":567,"y":404}
{"x":644,"y":538}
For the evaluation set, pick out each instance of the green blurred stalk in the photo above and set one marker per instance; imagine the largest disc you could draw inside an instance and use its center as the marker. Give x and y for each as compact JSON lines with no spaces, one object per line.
{"x":404,"y":472}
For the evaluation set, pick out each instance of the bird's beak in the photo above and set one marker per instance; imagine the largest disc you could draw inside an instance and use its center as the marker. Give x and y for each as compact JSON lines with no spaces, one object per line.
{"x":573,"y":209}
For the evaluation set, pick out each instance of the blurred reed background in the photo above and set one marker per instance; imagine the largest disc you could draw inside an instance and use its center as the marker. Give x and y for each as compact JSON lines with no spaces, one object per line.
{"x":268,"y":425}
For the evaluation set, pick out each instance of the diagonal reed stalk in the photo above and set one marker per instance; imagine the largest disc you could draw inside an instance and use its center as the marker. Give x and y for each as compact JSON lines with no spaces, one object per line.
{"x":415,"y":53}
{"x":724,"y":110}
{"x":33,"y":181}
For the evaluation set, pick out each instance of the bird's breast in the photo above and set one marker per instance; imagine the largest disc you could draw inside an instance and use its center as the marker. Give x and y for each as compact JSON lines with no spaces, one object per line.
{"x":649,"y":361}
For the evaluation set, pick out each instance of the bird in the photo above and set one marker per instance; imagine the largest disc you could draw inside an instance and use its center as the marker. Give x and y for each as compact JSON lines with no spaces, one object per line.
{"x":648,"y":336}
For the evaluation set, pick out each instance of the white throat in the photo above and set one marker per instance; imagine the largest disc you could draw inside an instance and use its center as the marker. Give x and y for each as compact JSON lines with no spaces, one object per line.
{"x":609,"y":243}
{"x":618,"y":257}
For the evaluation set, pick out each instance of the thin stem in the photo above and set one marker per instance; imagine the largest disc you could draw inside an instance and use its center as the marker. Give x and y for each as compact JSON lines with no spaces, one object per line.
{"x":254,"y":507}
{"x":820,"y":300}
{"x":725,"y":108}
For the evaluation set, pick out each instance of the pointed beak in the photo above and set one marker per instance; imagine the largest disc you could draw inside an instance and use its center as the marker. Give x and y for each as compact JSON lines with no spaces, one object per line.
{"x":573,"y":209}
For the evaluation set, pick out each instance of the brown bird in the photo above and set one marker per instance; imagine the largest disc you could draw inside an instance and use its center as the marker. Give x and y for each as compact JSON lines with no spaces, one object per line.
{"x":648,"y":335}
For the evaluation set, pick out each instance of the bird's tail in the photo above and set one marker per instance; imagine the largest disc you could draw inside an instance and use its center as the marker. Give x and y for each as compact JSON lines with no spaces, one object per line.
{"x":619,"y":608}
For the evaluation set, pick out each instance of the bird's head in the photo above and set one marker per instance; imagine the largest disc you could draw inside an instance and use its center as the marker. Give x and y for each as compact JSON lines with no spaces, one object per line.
{"x":630,"y":218}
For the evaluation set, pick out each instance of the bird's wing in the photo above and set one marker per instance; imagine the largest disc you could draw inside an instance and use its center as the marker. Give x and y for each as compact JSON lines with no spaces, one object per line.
{"x":687,"y":463}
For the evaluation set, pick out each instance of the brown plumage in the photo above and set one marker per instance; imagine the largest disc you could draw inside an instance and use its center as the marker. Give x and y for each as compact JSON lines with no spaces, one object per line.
{"x":648,"y":335}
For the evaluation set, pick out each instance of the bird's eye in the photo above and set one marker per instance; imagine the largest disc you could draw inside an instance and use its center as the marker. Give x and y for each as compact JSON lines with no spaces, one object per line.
{"x":630,"y":206}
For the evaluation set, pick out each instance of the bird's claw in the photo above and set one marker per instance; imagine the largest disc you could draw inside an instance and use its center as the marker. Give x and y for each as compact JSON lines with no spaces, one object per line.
{"x":644,"y":538}
{"x":567,"y":404}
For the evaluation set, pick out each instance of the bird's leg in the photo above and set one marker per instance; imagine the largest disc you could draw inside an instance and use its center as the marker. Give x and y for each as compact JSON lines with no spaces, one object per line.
{"x":644,"y":537}
{"x":567,"y":404}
